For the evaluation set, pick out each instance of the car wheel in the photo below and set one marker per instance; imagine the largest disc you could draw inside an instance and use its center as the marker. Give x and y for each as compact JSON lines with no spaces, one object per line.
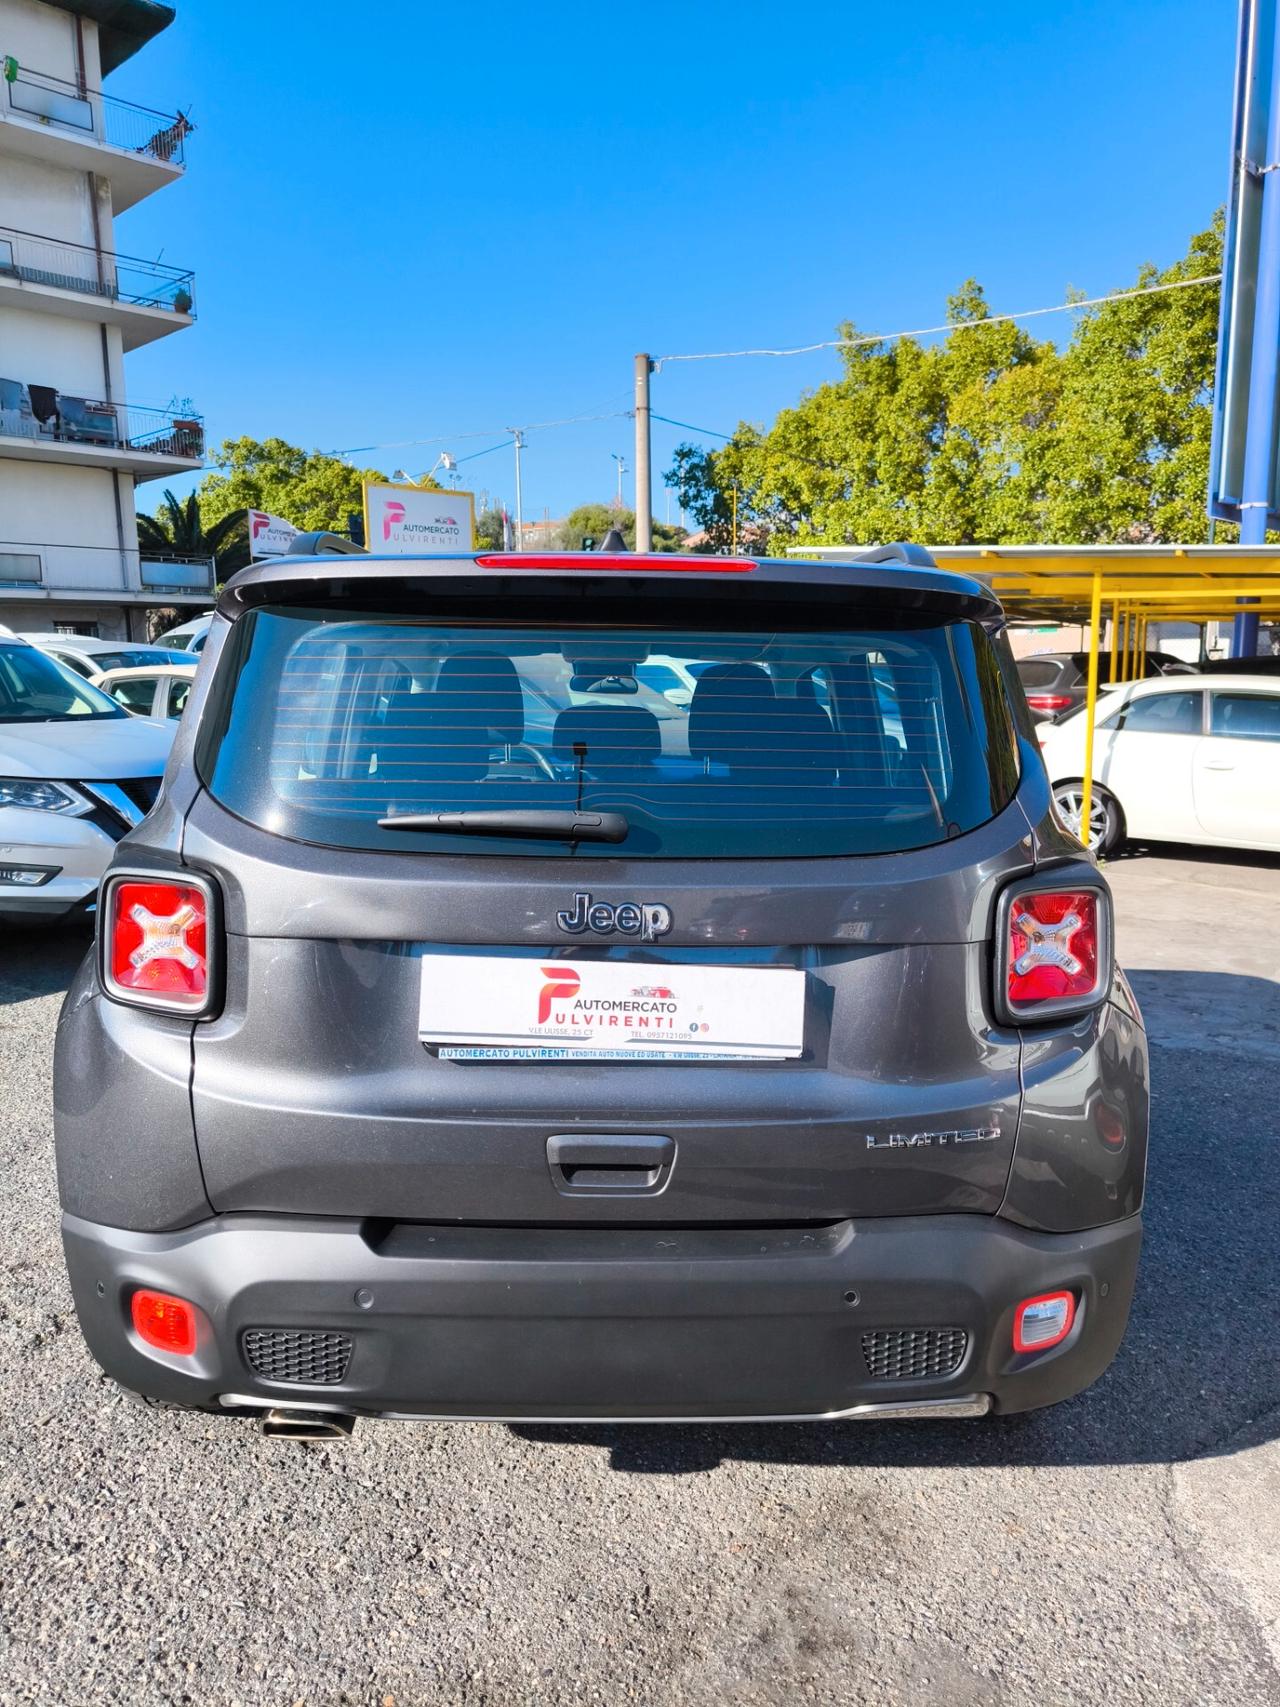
{"x":1106,"y":821}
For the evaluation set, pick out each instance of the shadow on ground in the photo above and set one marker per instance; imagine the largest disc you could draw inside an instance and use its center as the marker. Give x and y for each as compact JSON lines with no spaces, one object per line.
{"x":40,"y":960}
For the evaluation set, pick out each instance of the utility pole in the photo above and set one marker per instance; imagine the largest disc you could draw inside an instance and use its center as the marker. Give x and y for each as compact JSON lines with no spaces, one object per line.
{"x":518,"y":440}
{"x":644,"y":479}
{"x":622,"y":469}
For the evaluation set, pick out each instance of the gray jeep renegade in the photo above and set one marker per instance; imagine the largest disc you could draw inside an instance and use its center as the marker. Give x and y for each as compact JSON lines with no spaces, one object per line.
{"x":476,"y":1030}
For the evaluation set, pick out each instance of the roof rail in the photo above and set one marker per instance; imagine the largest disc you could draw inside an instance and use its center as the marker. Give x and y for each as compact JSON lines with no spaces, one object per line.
{"x":915,"y":556}
{"x":322,"y":544}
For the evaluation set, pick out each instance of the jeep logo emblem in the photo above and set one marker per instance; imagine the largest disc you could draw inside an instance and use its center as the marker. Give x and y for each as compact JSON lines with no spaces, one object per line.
{"x":646,"y":919}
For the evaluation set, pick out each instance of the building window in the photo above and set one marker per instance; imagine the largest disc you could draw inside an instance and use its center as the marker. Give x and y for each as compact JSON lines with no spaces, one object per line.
{"x":19,"y":568}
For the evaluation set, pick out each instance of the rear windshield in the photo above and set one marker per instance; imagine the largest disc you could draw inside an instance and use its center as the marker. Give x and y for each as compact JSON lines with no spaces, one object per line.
{"x":742,"y":744}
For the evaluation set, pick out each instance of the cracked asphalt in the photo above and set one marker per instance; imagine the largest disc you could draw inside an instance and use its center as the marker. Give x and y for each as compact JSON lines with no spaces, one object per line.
{"x":1124,"y":1547}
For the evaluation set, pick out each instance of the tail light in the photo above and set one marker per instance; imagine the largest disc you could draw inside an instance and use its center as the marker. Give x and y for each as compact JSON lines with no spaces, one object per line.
{"x":1041,"y":1322}
{"x":1048,"y":702}
{"x":168,"y":1324}
{"x":1053,"y":951}
{"x":636,"y":563}
{"x":158,"y":940}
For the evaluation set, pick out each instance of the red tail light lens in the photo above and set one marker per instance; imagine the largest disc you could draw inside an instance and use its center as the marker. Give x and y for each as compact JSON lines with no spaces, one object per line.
{"x":156,"y":942}
{"x":1055,"y":952}
{"x":638,"y":563}
{"x":1048,"y":701}
{"x":168,"y":1324}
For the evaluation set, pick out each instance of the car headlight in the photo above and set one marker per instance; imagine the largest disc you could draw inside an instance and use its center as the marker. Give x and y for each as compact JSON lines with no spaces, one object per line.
{"x":35,"y":796}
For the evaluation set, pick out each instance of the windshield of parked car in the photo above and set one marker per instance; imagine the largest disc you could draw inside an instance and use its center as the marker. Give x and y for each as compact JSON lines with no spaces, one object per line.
{"x":139,"y":658}
{"x":35,"y":688}
{"x":853,"y":740}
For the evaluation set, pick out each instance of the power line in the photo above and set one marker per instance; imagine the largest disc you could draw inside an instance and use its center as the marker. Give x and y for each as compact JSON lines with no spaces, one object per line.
{"x":950,"y":326}
{"x":704,"y":432}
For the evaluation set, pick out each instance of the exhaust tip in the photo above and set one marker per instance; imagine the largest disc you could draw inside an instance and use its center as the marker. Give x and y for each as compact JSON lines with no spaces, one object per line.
{"x":290,"y":1424}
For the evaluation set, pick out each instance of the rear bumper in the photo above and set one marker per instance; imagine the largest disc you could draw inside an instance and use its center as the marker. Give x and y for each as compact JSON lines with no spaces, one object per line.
{"x":561,"y":1324}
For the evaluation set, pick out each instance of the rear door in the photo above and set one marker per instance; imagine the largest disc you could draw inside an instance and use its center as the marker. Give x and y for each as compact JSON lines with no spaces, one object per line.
{"x":811,"y":856}
{"x":1145,"y":755}
{"x":1237,"y":768}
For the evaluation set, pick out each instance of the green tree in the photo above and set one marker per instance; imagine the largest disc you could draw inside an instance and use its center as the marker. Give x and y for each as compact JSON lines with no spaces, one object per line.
{"x":490,"y":532}
{"x":989,"y":435}
{"x":593,"y":521}
{"x":179,"y":528}
{"x":308,"y":488}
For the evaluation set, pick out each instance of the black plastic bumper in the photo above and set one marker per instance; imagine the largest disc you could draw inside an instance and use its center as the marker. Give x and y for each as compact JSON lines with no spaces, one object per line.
{"x":605,"y":1324}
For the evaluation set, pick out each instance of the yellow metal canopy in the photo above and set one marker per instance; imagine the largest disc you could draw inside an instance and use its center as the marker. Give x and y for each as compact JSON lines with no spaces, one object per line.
{"x":1133,"y":585}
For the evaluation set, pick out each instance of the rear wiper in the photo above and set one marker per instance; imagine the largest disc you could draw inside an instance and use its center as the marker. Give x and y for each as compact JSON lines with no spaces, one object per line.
{"x":516,"y":821}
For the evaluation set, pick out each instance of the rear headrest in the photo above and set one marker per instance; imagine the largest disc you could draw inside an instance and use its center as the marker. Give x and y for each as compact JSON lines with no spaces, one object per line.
{"x":612,"y":735}
{"x":728,"y":700}
{"x":484,"y":689}
{"x":432,"y":738}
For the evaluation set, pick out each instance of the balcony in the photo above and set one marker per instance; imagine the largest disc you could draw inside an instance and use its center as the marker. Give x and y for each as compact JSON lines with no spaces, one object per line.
{"x":144,"y":299}
{"x":62,"y":124}
{"x":39,"y":571}
{"x":40,"y":424}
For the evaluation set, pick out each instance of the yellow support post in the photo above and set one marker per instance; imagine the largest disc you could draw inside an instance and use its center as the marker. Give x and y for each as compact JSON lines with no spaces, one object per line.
{"x":1113,"y":675}
{"x":1090,"y":706}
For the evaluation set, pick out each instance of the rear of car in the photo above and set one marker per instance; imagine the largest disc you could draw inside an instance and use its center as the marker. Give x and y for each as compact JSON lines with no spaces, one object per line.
{"x":1057,"y":683}
{"x":511,"y":1039}
{"x":76,"y":775}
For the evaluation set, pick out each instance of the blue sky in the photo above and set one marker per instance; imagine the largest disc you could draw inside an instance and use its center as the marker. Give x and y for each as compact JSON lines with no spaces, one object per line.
{"x":420,"y":222}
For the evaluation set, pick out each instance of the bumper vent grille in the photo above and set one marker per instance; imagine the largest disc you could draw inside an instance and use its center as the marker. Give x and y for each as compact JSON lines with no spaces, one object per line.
{"x":911,"y":1354}
{"x":287,"y":1354}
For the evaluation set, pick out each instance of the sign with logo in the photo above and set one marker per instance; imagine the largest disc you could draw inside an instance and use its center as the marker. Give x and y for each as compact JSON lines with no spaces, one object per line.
{"x":410,"y":522}
{"x":269,"y":536}
{"x":490,"y":1008}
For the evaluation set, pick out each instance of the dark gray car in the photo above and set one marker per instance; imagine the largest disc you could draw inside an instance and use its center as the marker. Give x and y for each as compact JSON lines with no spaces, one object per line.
{"x":465,"y":1039}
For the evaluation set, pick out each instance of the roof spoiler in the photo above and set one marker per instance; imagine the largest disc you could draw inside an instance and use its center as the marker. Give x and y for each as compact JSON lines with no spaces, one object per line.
{"x":914,"y":556}
{"x":322,"y":544}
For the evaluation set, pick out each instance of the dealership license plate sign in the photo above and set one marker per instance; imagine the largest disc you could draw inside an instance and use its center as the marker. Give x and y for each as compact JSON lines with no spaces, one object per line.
{"x":491,"y":1008}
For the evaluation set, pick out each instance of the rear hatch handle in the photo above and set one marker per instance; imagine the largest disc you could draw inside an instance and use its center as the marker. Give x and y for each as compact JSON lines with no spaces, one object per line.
{"x":610,"y":1164}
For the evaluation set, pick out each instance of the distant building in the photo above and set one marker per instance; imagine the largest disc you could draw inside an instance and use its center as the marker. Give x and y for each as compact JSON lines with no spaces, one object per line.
{"x":72,"y":448}
{"x":537,"y":536}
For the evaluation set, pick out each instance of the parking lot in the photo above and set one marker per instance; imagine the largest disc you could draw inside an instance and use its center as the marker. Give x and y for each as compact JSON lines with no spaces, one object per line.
{"x":1120,"y":1548}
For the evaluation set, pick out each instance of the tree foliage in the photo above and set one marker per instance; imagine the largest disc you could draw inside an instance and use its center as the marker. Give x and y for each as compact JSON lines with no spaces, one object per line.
{"x":178,"y":528}
{"x":990,"y":435}
{"x":308,"y":488}
{"x":593,"y":521}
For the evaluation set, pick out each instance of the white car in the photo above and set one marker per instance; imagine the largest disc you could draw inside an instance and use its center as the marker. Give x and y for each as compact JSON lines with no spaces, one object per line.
{"x":76,"y":774}
{"x":158,"y":690}
{"x":1175,"y":759}
{"x":88,"y":656}
{"x":189,"y":636}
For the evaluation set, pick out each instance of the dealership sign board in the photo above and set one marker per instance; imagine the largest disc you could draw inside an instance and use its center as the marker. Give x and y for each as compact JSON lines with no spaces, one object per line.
{"x":499,"y":1008}
{"x":269,"y":536}
{"x":409,"y":521}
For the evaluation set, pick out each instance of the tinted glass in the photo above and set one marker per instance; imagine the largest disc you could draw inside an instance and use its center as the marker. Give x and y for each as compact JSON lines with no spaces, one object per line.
{"x":135,"y":693}
{"x":1161,"y":714}
{"x":1038,"y":672}
{"x":821,"y":743}
{"x":35,"y":688}
{"x":1246,"y":716}
{"x":178,"y":694}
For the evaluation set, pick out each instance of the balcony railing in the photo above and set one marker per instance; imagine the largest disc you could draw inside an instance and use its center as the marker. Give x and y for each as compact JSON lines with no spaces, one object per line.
{"x":120,"y":124}
{"x":75,"y":266}
{"x":38,"y":412}
{"x":100,"y":569}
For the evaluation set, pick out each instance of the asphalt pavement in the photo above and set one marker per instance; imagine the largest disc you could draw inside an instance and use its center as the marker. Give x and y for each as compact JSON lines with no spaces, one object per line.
{"x":1120,"y":1548}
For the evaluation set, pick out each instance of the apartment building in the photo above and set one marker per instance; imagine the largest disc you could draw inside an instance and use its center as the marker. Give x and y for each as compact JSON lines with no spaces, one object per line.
{"x":73,"y":159}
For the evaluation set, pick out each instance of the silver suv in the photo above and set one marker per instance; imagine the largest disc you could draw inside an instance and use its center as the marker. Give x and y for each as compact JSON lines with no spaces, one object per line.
{"x":466,"y":1039}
